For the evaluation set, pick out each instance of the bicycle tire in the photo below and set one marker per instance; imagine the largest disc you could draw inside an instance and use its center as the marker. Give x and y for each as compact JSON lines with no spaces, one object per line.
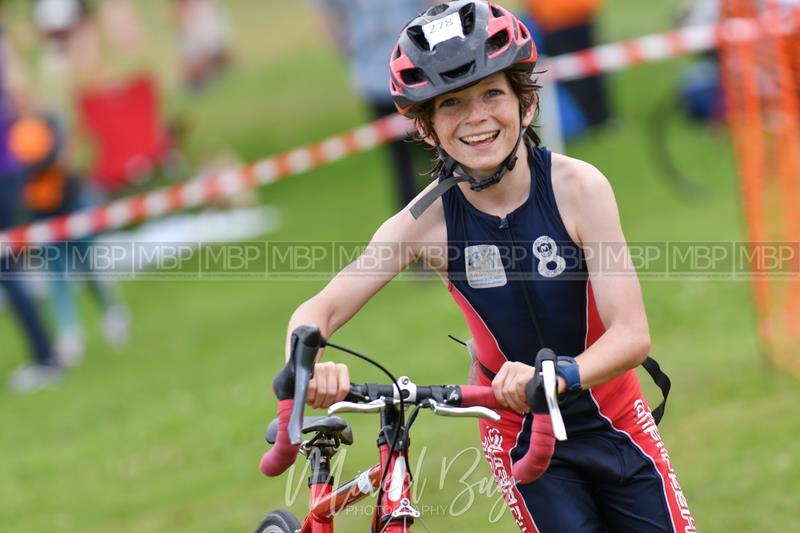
{"x":280,"y":521}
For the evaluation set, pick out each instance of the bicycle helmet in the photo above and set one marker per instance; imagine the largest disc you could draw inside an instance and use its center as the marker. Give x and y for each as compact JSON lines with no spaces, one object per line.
{"x":451,"y":46}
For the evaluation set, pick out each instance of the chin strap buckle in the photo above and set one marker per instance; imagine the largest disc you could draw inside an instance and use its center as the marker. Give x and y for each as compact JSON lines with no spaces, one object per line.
{"x":479,"y":185}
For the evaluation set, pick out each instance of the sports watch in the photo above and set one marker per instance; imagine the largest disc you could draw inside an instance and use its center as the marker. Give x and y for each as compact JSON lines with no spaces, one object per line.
{"x":568,"y":369}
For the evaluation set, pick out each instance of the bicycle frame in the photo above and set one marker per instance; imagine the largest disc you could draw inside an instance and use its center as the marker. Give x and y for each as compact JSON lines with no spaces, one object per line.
{"x":394,"y":514}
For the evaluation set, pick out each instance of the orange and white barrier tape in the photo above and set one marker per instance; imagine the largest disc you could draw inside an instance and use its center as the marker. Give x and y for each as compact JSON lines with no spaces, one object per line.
{"x":618,"y":56}
{"x":204,"y":190}
{"x":652,"y":48}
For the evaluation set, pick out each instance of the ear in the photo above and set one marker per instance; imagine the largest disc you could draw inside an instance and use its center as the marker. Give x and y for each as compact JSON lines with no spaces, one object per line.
{"x":426,"y":138}
{"x":527,"y":117}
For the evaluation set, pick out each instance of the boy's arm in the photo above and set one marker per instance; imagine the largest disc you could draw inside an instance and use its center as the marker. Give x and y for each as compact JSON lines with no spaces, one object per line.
{"x":388,"y":253}
{"x":618,"y":296}
{"x":386,"y":256}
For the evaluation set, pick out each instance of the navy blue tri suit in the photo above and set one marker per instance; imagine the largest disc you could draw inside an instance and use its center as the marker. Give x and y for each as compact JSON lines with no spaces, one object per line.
{"x":613,"y":473}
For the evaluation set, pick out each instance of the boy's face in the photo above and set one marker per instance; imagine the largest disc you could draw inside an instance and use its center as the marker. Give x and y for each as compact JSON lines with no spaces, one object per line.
{"x":478,"y":126}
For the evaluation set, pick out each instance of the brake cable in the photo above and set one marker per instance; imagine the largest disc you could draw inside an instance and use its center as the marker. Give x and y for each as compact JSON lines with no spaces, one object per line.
{"x":399,"y":424}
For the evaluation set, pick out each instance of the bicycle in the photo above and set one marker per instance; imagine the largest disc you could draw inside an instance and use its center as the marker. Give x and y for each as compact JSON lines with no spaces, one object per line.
{"x":394,"y":512}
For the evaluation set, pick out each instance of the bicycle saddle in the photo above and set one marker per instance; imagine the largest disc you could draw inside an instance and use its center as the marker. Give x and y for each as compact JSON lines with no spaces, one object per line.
{"x":329,"y":425}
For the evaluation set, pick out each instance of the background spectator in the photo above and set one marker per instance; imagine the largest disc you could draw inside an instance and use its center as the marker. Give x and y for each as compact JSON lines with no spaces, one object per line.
{"x":569,"y":26}
{"x":51,"y":189}
{"x":204,"y":34}
{"x":43,"y":369}
{"x":366,"y":31}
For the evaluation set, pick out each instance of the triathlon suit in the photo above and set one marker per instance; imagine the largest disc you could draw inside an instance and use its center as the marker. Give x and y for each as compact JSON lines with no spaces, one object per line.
{"x":613,"y":473}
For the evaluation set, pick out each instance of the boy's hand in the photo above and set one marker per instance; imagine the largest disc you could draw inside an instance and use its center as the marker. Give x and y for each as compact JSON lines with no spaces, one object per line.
{"x":330,"y":384}
{"x":509,"y":385}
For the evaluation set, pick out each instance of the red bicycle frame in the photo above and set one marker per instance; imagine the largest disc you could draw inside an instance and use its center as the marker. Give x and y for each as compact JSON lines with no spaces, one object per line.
{"x":394,"y":514}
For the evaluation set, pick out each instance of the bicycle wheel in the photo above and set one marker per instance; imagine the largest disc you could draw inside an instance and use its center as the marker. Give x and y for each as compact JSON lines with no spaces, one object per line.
{"x":279,"y":521}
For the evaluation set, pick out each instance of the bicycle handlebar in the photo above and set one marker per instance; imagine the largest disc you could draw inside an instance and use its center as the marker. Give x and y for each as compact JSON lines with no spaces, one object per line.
{"x":291,"y":387}
{"x":461,"y":395}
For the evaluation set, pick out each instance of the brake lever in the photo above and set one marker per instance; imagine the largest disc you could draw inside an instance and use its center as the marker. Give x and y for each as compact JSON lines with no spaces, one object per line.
{"x":551,"y":395}
{"x":463,"y":412}
{"x":375,"y":406}
{"x":306,"y":341}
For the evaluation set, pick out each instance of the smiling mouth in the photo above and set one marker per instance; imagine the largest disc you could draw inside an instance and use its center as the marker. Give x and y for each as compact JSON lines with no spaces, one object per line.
{"x":481,"y":138}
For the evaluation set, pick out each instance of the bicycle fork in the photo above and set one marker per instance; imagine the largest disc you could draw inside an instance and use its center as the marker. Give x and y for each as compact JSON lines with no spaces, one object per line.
{"x":395,"y":513}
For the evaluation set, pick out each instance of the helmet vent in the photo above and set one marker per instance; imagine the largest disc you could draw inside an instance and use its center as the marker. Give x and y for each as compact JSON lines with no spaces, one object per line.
{"x":435,"y":10}
{"x":523,"y":31}
{"x":497,"y":41}
{"x":459,"y":72}
{"x":467,"y":14}
{"x":417,"y":37}
{"x":412,"y":76}
{"x":496,"y":11}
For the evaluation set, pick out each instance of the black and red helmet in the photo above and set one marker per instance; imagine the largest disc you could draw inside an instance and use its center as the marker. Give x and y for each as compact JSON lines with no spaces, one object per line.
{"x":453,"y":45}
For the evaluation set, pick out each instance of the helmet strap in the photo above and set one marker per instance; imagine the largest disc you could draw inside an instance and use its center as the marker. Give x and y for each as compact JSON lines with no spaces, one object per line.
{"x":454,"y":173}
{"x":453,"y":167}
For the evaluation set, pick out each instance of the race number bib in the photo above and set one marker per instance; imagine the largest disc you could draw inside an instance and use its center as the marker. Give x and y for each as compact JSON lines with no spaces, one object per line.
{"x":484,"y":266}
{"x":443,"y":29}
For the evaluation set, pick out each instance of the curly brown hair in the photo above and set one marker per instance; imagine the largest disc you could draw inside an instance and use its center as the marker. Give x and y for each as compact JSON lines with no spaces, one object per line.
{"x":523,"y":85}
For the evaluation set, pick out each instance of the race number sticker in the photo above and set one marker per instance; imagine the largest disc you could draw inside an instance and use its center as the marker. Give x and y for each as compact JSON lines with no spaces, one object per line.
{"x":484,"y":266}
{"x":545,"y":250}
{"x":443,"y":29}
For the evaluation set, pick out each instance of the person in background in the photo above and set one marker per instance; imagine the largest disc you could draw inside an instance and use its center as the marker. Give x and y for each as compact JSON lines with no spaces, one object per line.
{"x":44,"y":368}
{"x":365,"y":31}
{"x":51,"y":190}
{"x":110,"y":97}
{"x":569,"y":26}
{"x":44,"y":141}
{"x":204,"y":34}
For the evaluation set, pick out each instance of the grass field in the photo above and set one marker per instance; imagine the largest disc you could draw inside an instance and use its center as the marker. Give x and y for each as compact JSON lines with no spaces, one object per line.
{"x":166,"y":434}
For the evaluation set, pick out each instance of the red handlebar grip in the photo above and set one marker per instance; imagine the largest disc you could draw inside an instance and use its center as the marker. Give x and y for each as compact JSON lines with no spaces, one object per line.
{"x":537,"y":460}
{"x":283,"y":454}
{"x":543,"y":442}
{"x":477,"y":395}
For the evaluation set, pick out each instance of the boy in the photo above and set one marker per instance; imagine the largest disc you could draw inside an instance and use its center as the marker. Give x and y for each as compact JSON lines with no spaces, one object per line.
{"x":521,"y":237}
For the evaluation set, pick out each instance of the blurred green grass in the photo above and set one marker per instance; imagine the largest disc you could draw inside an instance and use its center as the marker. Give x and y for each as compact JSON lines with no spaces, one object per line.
{"x":166,"y":434}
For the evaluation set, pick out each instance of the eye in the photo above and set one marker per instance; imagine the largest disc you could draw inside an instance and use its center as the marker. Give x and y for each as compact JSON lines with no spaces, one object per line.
{"x":448,"y":102}
{"x":494,"y":92}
